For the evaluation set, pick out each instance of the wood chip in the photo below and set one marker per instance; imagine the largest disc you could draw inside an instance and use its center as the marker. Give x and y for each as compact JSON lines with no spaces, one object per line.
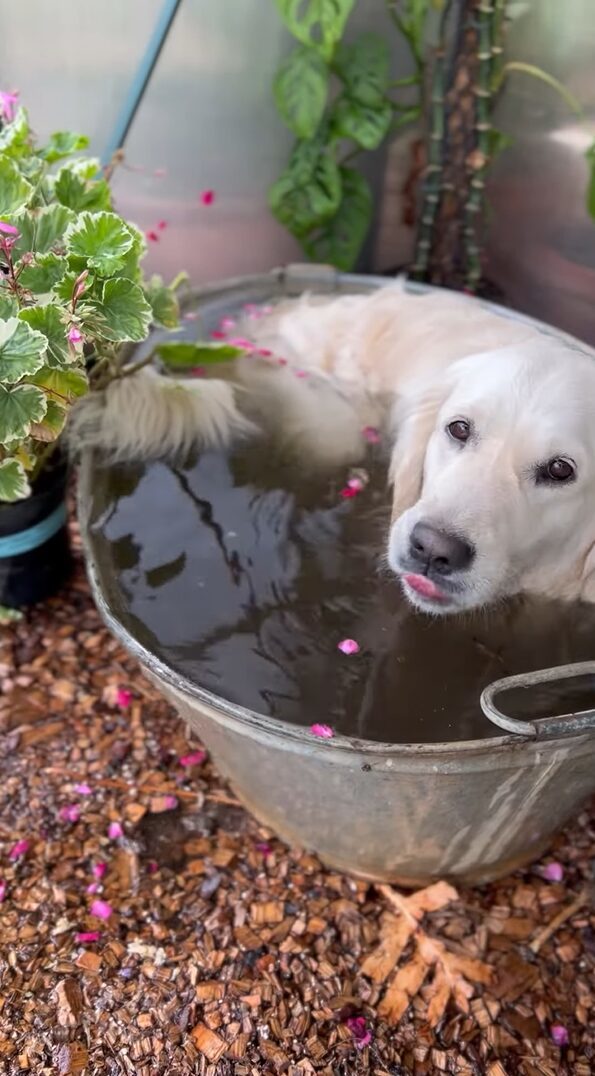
{"x":209,"y":1043}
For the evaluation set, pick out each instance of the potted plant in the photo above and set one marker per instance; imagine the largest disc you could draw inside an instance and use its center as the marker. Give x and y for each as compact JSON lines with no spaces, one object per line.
{"x":73,"y":300}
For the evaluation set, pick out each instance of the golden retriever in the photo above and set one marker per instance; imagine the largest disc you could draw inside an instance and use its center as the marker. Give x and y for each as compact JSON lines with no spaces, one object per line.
{"x":490,"y":423}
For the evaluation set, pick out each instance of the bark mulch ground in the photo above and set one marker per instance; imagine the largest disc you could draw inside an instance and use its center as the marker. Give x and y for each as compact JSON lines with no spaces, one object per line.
{"x":149,"y":926}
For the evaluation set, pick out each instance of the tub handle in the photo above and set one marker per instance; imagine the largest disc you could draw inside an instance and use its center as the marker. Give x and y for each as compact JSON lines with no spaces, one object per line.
{"x":561,"y":724}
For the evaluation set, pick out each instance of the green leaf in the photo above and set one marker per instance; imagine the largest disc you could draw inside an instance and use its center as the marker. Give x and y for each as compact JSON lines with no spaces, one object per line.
{"x":15,"y":191}
{"x":165,"y":307}
{"x":180,"y":353}
{"x":65,"y":286}
{"x":13,"y":487}
{"x":63,"y":144}
{"x":21,"y":350}
{"x":63,"y":385}
{"x":309,"y":191}
{"x":367,"y":125}
{"x":78,"y":193}
{"x":340,"y":240}
{"x":364,"y":68}
{"x":497,"y":142}
{"x":130,"y":267}
{"x":317,"y":23}
{"x":85,"y":167}
{"x":47,"y":320}
{"x":9,"y":616}
{"x":41,"y":229}
{"x":123,"y":310}
{"x":9,"y":307}
{"x":51,"y":425}
{"x":14,"y":137}
{"x":101,"y":240}
{"x":20,"y":406}
{"x":43,"y":274}
{"x":300,"y":89}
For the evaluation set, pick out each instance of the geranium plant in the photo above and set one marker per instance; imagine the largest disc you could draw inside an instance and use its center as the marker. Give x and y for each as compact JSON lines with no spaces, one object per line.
{"x":72,"y":294}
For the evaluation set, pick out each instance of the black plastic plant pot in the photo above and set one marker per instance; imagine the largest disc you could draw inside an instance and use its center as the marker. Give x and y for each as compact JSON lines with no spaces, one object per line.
{"x":35,"y":557}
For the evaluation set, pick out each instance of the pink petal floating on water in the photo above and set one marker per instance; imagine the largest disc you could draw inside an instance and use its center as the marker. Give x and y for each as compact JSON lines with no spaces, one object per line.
{"x":99,"y":870}
{"x":123,"y":698}
{"x":75,"y":335}
{"x":93,"y":887}
{"x":241,"y":342}
{"x":552,"y":872}
{"x":3,"y":889}
{"x":83,"y":789}
{"x":190,"y":316}
{"x":19,"y":849}
{"x":559,"y":1035}
{"x":226,"y":324}
{"x":371,"y":434}
{"x":348,"y":646}
{"x":86,"y":937}
{"x":217,"y":335}
{"x":8,"y":229}
{"x":195,"y":758}
{"x":101,"y":909}
{"x":360,"y":1031}
{"x":161,"y":224}
{"x":207,"y":197}
{"x":324,"y":732}
{"x":114,"y":831}
{"x":152,"y":236}
{"x":70,"y":813}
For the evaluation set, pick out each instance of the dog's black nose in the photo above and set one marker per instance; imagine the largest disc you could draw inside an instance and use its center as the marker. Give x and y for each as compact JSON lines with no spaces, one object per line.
{"x":438,"y":551}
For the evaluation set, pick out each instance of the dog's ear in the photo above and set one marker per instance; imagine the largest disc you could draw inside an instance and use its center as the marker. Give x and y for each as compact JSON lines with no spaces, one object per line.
{"x":414,"y":424}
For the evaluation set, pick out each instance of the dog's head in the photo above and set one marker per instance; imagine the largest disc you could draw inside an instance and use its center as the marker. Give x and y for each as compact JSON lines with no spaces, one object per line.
{"x":494,"y":480}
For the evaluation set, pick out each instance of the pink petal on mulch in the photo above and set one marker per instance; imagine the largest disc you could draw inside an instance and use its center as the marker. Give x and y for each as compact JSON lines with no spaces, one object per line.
{"x":552,"y":872}
{"x":70,"y":813}
{"x":83,"y":789}
{"x":93,"y":887}
{"x":3,"y":889}
{"x":360,"y":1031}
{"x":101,"y":909}
{"x":99,"y":870}
{"x":152,"y":867}
{"x":207,"y":197}
{"x":559,"y":1035}
{"x":263,"y":846}
{"x":371,"y":434}
{"x":114,"y":830}
{"x":123,"y":698}
{"x":324,"y":732}
{"x":195,"y":758}
{"x":170,"y":803}
{"x":152,"y":236}
{"x":348,"y":646}
{"x":19,"y":849}
{"x":86,"y":937}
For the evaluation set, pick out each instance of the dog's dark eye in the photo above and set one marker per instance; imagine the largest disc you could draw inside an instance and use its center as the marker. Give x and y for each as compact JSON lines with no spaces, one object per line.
{"x":459,"y":430}
{"x":558,"y":469}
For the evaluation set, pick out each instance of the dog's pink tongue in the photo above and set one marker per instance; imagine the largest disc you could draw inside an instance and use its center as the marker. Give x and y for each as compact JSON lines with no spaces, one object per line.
{"x":423,"y":586}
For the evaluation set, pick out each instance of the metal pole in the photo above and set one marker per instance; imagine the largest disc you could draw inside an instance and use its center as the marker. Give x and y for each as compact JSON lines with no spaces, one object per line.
{"x":141,"y":80}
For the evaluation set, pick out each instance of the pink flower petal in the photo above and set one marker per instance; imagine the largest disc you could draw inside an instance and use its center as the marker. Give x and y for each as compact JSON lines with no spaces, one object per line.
{"x":123,"y":698}
{"x":190,"y":316}
{"x":86,"y":937}
{"x":216,"y":335}
{"x":348,"y":646}
{"x":8,"y":103}
{"x":93,"y":887}
{"x":348,"y":492}
{"x":3,"y":890}
{"x":170,"y":803}
{"x":99,"y":870}
{"x":83,"y":789}
{"x":552,"y":872}
{"x":360,"y":1031}
{"x":101,"y":909}
{"x":371,"y":434}
{"x":226,"y":324}
{"x":70,"y":813}
{"x":559,"y":1035}
{"x":195,"y":758}
{"x":263,"y":847}
{"x":152,"y":867}
{"x":114,"y":831}
{"x":159,"y":173}
{"x":355,"y":483}
{"x":324,"y":732}
{"x":152,"y":236}
{"x":241,"y":342}
{"x":198,"y":371}
{"x":19,"y":849}
{"x":281,"y":362}
{"x":301,"y":373}
{"x":161,"y":224}
{"x":75,"y":336}
{"x":207,"y":197}
{"x":264,"y":351}
{"x":8,"y":229}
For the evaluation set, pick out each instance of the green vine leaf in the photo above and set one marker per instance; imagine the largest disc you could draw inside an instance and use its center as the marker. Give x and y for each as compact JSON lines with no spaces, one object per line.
{"x":364,"y":68}
{"x":340,"y":240}
{"x":300,"y":89}
{"x":367,"y":125}
{"x":316,"y":23}
{"x":47,"y":320}
{"x":181,"y":353}
{"x":13,"y":487}
{"x":20,"y":406}
{"x":309,"y":191}
{"x":22,"y":351}
{"x":101,"y":240}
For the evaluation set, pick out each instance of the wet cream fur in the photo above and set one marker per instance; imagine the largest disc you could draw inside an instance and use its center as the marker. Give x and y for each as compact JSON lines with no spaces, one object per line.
{"x":410,"y":365}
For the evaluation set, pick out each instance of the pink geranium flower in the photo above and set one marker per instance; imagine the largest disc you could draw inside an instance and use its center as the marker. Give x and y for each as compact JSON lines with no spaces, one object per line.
{"x":348,"y":646}
{"x":324,"y":732}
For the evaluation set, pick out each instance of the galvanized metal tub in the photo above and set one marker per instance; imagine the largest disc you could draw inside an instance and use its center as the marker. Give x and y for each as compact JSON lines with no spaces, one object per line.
{"x":409,"y":813}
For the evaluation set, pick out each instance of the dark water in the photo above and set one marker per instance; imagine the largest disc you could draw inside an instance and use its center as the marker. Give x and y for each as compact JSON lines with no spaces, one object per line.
{"x":243,"y":576}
